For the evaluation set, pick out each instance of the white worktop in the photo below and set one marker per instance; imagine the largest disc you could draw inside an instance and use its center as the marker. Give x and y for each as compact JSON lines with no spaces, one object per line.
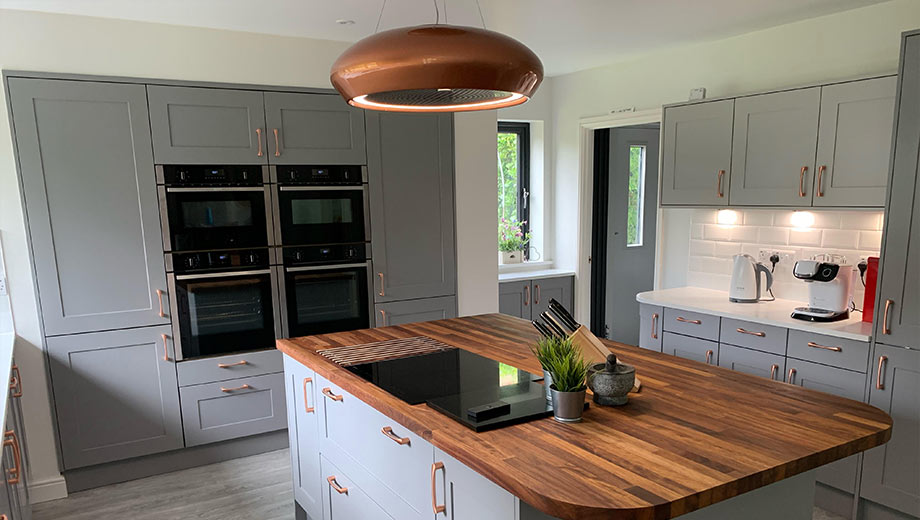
{"x":536,"y":274}
{"x":777,"y":313}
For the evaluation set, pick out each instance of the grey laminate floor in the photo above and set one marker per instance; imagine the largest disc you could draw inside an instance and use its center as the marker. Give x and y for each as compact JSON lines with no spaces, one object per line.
{"x":251,"y":488}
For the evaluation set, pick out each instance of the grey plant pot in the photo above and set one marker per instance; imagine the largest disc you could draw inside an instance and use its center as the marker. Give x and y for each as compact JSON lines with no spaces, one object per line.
{"x":548,"y":380}
{"x":568,"y":406}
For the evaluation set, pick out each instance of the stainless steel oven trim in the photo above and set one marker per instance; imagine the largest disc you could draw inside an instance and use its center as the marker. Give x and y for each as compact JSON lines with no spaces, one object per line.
{"x":174,"y":316}
{"x":216,"y":188}
{"x":269,"y":217}
{"x":325,"y":267}
{"x":222,"y":274}
{"x":266,"y":176}
{"x":164,"y":219}
{"x":272,"y":173}
{"x":367,"y":216}
{"x":364,"y":174}
{"x":276,"y":214}
{"x":280,"y":286}
{"x":321,"y":188}
{"x":371,"y":311}
{"x":160,"y":173}
{"x":276,"y":301}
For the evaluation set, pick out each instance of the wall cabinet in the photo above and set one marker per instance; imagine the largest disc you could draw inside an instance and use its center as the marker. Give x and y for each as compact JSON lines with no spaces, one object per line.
{"x":313,"y":129}
{"x":413,"y":311}
{"x":303,"y":434}
{"x":467,"y":495}
{"x":90,"y":195}
{"x":650,"y":330}
{"x":528,"y":299}
{"x":411,"y":180}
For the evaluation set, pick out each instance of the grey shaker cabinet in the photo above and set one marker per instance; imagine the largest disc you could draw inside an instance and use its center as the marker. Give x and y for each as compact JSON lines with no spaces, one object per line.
{"x":411,"y":179}
{"x":891,"y":472}
{"x":116,"y":394}
{"x":854,"y":143}
{"x":14,"y":495}
{"x":773,"y":148}
{"x":313,"y":129}
{"x":303,"y":431}
{"x":560,"y":289}
{"x":754,"y":362}
{"x":467,"y":495}
{"x":413,"y":311}
{"x":696,"y":154}
{"x":702,"y":350}
{"x":90,"y":195}
{"x":514,"y":299}
{"x":650,"y":326}
{"x":207,"y":125}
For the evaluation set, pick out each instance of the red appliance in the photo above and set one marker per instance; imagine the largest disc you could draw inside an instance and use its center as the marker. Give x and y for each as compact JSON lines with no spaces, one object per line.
{"x":869,"y":297}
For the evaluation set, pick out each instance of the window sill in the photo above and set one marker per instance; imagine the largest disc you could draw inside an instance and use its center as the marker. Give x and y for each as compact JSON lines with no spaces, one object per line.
{"x":525,"y":266}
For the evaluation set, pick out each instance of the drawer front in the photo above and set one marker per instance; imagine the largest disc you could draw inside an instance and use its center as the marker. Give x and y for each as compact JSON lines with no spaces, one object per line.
{"x":702,"y":350}
{"x":828,"y":350}
{"x":754,"y":362}
{"x":235,"y":408}
{"x":343,"y":499}
{"x":705,"y":326}
{"x":355,"y":429}
{"x":650,"y":318}
{"x":224,"y":368}
{"x":754,"y":335}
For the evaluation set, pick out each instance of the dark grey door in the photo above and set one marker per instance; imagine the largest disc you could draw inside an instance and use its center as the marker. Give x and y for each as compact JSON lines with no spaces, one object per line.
{"x":514,"y":299}
{"x":631,"y":223}
{"x":854,"y":143}
{"x":303,"y":431}
{"x":116,"y":394}
{"x":414,"y":311}
{"x":899,"y":273}
{"x":90,"y":195}
{"x":696,"y":162}
{"x":891,"y":472}
{"x":411,"y":176}
{"x":316,"y":129}
{"x":773,"y":148}
{"x":207,"y":125}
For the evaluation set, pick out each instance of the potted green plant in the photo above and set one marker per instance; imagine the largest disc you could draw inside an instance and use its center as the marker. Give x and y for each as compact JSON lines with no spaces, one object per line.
{"x":512,"y":241}
{"x":568,"y":370}
{"x":546,"y":350}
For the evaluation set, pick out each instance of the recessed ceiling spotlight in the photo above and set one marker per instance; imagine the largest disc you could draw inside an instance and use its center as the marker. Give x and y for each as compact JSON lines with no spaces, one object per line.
{"x":345,"y":22}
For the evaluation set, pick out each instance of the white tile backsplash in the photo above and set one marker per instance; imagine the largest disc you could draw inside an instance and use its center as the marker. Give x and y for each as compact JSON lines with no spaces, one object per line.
{"x":854,"y":234}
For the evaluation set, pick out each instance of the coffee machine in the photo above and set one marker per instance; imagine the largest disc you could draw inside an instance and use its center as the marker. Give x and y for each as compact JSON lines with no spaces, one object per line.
{"x":830,"y":289}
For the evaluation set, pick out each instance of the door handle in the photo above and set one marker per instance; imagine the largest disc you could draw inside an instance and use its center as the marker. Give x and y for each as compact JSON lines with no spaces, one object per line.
{"x":277,"y":147}
{"x":16,"y":471}
{"x":235,"y":389}
{"x":709,"y":357}
{"x":526,"y":295}
{"x":16,"y":382}
{"x":719,"y":184}
{"x":237,"y":364}
{"x":434,"y":489}
{"x":885,"y":328}
{"x":790,"y":377}
{"x":655,"y":326}
{"x":335,"y":485}
{"x":259,"y":138}
{"x":328,"y":393}
{"x":383,"y":317}
{"x":758,"y":334}
{"x":820,"y":191}
{"x":160,"y":301}
{"x":879,"y":383}
{"x":388,"y":431}
{"x":382,"y":290}
{"x":685,"y":320}
{"x":165,"y":347}
{"x":536,"y":298}
{"x":307,"y":408}
{"x":773,"y":369}
{"x":812,"y":344}
{"x":802,"y":173}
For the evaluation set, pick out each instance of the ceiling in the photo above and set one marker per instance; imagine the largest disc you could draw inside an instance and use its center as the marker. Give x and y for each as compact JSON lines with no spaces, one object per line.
{"x":568,"y":35}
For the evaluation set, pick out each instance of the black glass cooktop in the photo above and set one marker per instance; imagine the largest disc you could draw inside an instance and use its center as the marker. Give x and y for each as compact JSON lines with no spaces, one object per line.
{"x":478,"y":392}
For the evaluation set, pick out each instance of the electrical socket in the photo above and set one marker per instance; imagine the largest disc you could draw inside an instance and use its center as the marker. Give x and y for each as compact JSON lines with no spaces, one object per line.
{"x":786,"y":257}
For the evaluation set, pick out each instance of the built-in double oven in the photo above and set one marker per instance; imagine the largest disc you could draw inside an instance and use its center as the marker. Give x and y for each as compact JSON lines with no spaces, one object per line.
{"x":218,"y":234}
{"x":322,"y":223}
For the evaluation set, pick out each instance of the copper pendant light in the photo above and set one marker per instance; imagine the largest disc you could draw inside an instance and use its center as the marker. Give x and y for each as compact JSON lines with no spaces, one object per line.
{"x":437,"y":68}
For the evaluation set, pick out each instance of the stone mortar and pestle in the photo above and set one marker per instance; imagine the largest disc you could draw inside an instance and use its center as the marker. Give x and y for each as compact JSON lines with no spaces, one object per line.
{"x":611,"y":382}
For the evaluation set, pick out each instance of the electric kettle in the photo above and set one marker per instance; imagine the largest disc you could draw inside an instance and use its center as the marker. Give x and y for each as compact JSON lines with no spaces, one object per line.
{"x":745,"y":285}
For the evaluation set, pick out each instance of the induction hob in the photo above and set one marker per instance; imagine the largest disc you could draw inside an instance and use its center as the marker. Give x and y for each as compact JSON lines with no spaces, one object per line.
{"x":456,"y":381}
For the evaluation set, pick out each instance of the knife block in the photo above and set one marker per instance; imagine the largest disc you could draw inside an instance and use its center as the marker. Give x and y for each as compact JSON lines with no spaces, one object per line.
{"x":594,"y":349}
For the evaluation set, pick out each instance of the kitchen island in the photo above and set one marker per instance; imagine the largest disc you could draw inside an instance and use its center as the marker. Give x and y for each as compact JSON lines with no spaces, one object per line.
{"x":698,"y":440}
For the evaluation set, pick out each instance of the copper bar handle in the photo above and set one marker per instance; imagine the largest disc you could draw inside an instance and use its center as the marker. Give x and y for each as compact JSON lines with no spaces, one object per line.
{"x":685,"y":320}
{"x":228,"y":365}
{"x":383,"y":317}
{"x":885,"y":328}
{"x":335,"y":485}
{"x":774,"y":368}
{"x":381,"y":293}
{"x":259,"y":138}
{"x":812,"y":344}
{"x":306,"y":406}
{"x":526,"y":295}
{"x":16,"y":382}
{"x":758,"y":334}
{"x":709,"y":357}
{"x":234,"y":389}
{"x":386,"y":430}
{"x":162,"y":314}
{"x":328,"y":393}
{"x":820,"y":190}
{"x":434,"y":489}
{"x":879,"y":383}
{"x":16,"y":471}
{"x":277,"y":148}
{"x":790,"y":377}
{"x":536,"y":297}
{"x":165,"y":348}
{"x":4,"y":517}
{"x":719,"y":184}
{"x":802,"y":181}
{"x":655,"y":326}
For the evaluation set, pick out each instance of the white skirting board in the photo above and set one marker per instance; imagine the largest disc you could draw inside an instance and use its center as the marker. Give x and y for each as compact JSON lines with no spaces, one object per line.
{"x":49,"y":489}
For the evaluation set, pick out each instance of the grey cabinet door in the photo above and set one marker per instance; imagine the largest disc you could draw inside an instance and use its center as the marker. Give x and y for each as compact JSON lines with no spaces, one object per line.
{"x":842,"y":473}
{"x":116,"y":394}
{"x":702,"y":350}
{"x":775,"y":137}
{"x":650,"y":318}
{"x":561,"y":289}
{"x":467,"y":495}
{"x":90,"y":195}
{"x":9,"y":496}
{"x":899,"y":272}
{"x":414,"y":311}
{"x":854,"y":143}
{"x":207,"y":125}
{"x":514,"y":299}
{"x":411,"y":175}
{"x":754,"y":362}
{"x":303,"y":431}
{"x":891,"y":472}
{"x":313,"y":129}
{"x":18,"y":491}
{"x":697,"y":153}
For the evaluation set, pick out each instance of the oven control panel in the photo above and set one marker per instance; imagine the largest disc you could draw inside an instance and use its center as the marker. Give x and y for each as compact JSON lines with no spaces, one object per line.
{"x":199,"y":175}
{"x":327,"y":254}
{"x":321,"y":175}
{"x":219,"y":260}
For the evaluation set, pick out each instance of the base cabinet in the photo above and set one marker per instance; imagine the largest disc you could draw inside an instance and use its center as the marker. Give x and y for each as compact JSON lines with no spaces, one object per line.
{"x":752,"y":362}
{"x":467,"y":495}
{"x":344,"y":500}
{"x":15,"y":503}
{"x":650,"y":327}
{"x":529,"y":298}
{"x":696,"y":349}
{"x":303,"y":432}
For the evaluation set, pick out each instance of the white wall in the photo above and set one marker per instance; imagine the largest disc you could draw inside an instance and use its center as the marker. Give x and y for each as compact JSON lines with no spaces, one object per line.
{"x":62,"y":43}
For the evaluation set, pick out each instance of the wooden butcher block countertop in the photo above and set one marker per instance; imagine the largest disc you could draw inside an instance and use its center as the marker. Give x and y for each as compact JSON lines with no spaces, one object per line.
{"x":694,"y":436}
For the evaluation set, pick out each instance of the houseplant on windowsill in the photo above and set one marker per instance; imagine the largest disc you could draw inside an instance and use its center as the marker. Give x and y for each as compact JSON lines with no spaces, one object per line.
{"x":512,"y":241}
{"x":564,"y":362}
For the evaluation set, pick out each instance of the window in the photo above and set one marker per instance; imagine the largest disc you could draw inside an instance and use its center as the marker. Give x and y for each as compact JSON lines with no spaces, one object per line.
{"x":636,"y":195}
{"x":514,"y":173}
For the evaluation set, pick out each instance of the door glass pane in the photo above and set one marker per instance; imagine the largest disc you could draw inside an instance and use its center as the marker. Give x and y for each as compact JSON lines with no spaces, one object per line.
{"x":321,"y":211}
{"x":508,"y":156}
{"x":636,"y":195}
{"x":226,"y":307}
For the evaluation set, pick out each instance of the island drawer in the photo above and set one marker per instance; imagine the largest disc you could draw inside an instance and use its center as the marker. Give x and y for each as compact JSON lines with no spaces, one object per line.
{"x":702,"y":350}
{"x":754,"y":335}
{"x":829,"y":350}
{"x":394,"y":456}
{"x":231,"y":409}
{"x":222,"y":368}
{"x":696,"y":324}
{"x":343,"y":499}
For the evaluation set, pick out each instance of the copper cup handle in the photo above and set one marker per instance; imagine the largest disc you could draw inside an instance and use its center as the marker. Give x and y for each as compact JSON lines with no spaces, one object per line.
{"x":277,"y":147}
{"x":709,"y":357}
{"x":388,"y":431}
{"x":774,"y":368}
{"x":434,"y":489}
{"x":885,"y":328}
{"x":802,"y":181}
{"x":719,"y":184}
{"x":16,"y":382}
{"x":13,"y":441}
{"x":879,"y":383}
{"x":306,"y":406}
{"x":820,"y":190}
{"x":382,"y":290}
{"x":162,"y":314}
{"x":165,"y":347}
{"x":234,"y":389}
{"x":228,"y":365}
{"x":335,"y":485}
{"x":758,"y":334}
{"x":812,"y":344}
{"x":328,"y":393}
{"x":790,"y":377}
{"x":655,"y":326}
{"x":259,"y":138}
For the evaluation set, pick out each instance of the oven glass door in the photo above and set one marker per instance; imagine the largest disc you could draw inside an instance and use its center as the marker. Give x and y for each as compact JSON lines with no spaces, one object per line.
{"x":224,"y":313}
{"x":216,"y":218}
{"x":321,"y":215}
{"x":326,"y":299}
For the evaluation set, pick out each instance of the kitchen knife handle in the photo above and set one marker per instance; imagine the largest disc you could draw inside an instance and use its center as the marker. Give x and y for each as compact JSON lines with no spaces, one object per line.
{"x":802,"y":180}
{"x":719,"y":184}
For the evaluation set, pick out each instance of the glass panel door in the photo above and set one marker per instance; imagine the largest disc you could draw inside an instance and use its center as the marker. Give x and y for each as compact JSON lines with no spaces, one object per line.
{"x":327,"y":299}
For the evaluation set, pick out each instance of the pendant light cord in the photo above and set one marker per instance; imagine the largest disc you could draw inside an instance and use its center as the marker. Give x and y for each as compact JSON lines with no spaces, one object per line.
{"x":380,"y":16}
{"x":437,"y":13}
{"x":481,"y":18}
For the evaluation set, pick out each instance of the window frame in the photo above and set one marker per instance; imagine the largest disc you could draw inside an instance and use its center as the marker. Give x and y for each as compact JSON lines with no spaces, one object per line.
{"x":522,"y":130}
